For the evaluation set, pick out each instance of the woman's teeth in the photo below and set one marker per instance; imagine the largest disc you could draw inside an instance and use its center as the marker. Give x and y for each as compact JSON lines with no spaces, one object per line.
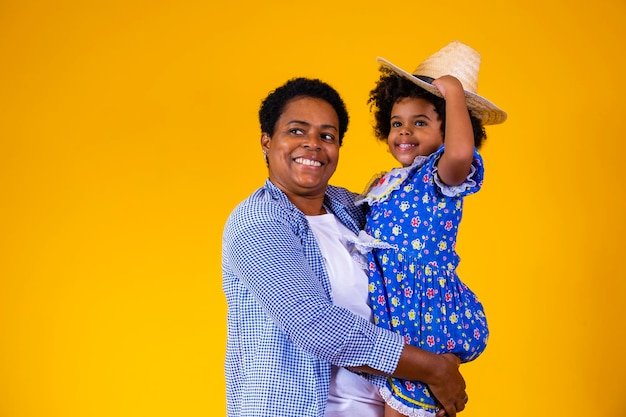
{"x":308,"y":162}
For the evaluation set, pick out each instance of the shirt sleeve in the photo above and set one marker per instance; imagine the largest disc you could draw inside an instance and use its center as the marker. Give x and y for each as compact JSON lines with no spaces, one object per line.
{"x":269,"y":253}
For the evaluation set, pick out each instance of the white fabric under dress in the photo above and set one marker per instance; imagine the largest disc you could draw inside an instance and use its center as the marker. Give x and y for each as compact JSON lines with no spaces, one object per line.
{"x":350,"y":394}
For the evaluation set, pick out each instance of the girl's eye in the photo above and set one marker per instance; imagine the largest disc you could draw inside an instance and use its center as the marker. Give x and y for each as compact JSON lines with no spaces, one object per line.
{"x":420,"y":123}
{"x":396,"y":124}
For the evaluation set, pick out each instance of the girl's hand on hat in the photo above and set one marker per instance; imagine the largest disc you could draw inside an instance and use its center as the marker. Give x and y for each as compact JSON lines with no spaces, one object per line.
{"x":447,"y":85}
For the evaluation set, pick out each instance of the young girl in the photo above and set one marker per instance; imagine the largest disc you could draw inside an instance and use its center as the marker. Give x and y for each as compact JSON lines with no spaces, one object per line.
{"x":432,"y":121}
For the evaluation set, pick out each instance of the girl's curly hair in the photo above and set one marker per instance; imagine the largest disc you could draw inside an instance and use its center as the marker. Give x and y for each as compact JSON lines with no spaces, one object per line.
{"x":391,"y":87}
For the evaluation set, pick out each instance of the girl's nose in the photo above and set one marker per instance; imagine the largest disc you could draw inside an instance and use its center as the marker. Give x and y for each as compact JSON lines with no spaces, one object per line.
{"x":405,"y":130}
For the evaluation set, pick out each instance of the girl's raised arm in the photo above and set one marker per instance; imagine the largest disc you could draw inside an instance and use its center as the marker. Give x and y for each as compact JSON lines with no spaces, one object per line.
{"x":455,"y":163}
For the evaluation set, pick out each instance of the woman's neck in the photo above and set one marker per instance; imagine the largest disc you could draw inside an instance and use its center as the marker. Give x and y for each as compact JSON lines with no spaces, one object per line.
{"x":310,"y":206}
{"x":309,"y":202}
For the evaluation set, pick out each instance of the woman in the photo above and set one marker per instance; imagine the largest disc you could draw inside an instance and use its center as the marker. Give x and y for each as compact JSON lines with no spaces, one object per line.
{"x":298,"y":317}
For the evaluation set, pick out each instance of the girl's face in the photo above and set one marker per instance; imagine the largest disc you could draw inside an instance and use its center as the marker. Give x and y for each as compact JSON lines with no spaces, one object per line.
{"x":415,"y":130}
{"x":304,"y":150}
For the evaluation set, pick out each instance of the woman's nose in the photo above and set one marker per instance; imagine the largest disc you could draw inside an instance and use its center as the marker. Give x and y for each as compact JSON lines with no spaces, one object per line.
{"x":312,"y":142}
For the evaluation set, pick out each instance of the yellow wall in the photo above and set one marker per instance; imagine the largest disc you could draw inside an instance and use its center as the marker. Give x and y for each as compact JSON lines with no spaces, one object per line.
{"x":128,"y":131}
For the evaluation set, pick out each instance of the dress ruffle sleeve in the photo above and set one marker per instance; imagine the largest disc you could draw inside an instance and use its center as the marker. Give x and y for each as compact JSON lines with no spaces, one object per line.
{"x":473,"y":182}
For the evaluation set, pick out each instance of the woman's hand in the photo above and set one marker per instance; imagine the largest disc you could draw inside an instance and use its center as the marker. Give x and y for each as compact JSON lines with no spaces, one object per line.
{"x":449,"y":387}
{"x":439,"y":372}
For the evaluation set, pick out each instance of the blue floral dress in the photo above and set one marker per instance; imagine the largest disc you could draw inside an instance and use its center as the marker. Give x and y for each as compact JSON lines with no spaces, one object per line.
{"x":413,"y":286}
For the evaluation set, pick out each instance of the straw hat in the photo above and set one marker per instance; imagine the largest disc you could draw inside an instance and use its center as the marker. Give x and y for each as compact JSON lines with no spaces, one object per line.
{"x":462,"y":62}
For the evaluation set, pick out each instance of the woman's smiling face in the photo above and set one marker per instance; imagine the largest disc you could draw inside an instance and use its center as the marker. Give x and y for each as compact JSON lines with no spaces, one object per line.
{"x":303,"y":152}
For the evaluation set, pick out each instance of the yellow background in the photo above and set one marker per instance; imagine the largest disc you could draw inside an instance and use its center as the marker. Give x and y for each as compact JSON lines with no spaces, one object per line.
{"x":128,"y":131}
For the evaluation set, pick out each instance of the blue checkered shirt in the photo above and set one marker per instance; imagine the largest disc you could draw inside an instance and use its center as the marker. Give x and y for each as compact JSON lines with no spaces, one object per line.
{"x":283,"y":330}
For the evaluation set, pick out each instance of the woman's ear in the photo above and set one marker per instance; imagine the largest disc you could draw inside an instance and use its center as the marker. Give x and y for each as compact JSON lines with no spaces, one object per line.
{"x":265,"y":145}
{"x":265,"y":141}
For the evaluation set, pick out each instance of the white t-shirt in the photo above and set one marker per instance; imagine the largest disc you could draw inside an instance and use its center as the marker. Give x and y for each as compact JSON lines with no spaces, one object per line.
{"x":350,"y":394}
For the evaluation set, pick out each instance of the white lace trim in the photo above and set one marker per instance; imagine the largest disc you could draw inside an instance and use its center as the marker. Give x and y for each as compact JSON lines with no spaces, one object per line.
{"x":382,"y":188}
{"x":360,"y":245}
{"x":364,"y":243}
{"x":391,"y":181}
{"x":402,"y":408}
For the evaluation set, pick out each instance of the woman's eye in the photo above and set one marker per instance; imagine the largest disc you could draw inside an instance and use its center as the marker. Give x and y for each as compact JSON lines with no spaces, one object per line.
{"x":296,"y":131}
{"x":328,"y":137}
